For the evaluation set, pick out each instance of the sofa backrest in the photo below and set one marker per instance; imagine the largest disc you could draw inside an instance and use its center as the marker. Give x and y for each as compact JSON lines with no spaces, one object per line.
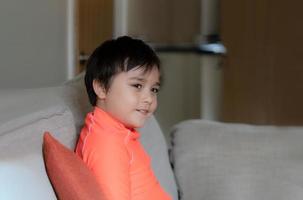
{"x":24,"y":116}
{"x":223,"y":161}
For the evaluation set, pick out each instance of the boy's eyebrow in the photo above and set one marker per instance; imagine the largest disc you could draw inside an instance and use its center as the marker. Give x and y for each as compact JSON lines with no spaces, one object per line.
{"x":158,"y":84}
{"x":143,"y":80}
{"x":138,"y":79}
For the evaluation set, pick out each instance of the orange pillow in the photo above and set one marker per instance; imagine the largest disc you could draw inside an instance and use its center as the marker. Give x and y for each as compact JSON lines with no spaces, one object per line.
{"x":70,"y":177}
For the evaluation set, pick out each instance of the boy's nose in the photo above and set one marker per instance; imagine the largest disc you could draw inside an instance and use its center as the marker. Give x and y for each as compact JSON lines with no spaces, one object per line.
{"x":147,"y":97}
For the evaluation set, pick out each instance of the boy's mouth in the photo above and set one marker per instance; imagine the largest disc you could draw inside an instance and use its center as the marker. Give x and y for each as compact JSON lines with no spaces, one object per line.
{"x":143,"y":111}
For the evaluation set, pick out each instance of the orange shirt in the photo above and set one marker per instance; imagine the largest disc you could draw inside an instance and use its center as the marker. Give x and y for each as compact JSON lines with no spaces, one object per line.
{"x":117,"y":159}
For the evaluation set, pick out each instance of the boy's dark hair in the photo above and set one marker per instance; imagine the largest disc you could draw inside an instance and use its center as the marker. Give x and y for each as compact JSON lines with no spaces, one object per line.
{"x":114,"y":56}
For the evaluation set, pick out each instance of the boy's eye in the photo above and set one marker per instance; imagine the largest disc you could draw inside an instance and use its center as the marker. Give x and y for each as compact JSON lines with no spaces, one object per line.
{"x":155,"y":90}
{"x":138,"y":86}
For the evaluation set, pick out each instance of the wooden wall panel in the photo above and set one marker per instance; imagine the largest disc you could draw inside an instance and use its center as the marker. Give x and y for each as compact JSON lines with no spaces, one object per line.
{"x":262,"y":74}
{"x":164,"y":21}
{"x":286,"y":42}
{"x":95,"y":24}
{"x":150,"y":20}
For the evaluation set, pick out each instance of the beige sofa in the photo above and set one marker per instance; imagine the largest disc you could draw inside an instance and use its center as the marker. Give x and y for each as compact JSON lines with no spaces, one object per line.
{"x":26,"y":114}
{"x":211,"y":160}
{"x":221,"y":161}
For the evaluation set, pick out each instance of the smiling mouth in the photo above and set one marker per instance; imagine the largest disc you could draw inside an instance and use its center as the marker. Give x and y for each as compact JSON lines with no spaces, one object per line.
{"x":143,"y":111}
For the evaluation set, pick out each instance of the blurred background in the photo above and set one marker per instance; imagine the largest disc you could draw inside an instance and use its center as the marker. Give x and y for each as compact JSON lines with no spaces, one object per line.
{"x":232,"y":61}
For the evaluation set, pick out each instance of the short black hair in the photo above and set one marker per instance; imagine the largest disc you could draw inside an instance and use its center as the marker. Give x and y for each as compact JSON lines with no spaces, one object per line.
{"x":115,"y":56}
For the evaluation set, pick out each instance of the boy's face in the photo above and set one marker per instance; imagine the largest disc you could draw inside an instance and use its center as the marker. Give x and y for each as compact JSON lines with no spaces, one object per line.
{"x":132,"y":96}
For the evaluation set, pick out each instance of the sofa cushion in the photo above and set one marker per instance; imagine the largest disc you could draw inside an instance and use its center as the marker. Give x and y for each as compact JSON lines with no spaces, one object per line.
{"x":22,"y":171}
{"x":217,"y":161}
{"x":22,"y":106}
{"x":69,"y":176}
{"x":154,"y":143}
{"x":22,"y":103}
{"x":75,"y":97}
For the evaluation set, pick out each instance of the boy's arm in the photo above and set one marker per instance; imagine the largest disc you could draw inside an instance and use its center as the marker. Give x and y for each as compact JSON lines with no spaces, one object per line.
{"x":109,"y":159}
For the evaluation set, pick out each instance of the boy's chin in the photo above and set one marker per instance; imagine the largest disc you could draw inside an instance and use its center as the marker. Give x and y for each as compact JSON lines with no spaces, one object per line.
{"x":136,"y":125}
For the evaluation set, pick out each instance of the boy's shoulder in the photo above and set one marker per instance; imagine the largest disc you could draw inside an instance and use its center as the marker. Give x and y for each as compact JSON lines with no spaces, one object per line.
{"x":107,"y":136}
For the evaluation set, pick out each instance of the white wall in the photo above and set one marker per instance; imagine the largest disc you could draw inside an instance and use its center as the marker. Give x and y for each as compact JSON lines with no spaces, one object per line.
{"x":179,"y":97}
{"x":33,"y":50}
{"x":191,"y":88}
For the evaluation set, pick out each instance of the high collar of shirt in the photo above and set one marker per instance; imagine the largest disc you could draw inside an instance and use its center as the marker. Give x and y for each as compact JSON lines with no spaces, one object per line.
{"x":105,"y":120}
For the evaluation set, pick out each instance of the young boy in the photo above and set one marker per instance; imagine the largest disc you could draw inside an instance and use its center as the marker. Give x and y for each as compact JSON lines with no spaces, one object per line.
{"x":122,"y":81}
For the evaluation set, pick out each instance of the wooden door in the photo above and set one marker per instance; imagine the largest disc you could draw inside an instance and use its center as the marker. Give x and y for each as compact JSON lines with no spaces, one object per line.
{"x":263,"y":69}
{"x":95,"y":25}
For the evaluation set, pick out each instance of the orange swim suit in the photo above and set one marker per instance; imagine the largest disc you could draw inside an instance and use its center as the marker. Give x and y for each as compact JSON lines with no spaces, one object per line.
{"x":117,"y":159}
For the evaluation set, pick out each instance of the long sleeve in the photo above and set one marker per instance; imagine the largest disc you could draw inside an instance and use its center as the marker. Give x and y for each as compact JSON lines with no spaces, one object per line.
{"x":108,"y":158}
{"x":117,"y":159}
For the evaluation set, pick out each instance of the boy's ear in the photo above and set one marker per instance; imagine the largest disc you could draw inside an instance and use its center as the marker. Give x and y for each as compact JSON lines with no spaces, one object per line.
{"x":99,"y":89}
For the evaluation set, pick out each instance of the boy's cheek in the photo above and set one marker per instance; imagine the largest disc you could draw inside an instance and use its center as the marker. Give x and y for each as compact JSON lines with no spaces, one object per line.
{"x":154,"y":107}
